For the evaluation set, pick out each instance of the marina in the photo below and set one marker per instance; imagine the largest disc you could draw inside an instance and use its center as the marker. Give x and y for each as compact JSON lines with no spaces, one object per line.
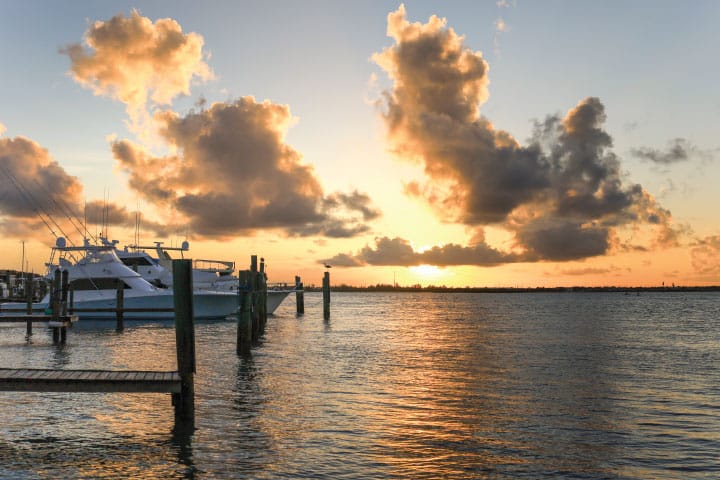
{"x":251,"y":315}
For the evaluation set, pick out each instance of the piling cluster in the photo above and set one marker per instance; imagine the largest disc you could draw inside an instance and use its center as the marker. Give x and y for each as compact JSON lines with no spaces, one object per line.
{"x":252,"y":310}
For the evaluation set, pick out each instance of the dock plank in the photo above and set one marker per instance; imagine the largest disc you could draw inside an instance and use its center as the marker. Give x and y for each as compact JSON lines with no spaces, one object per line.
{"x":40,"y":380}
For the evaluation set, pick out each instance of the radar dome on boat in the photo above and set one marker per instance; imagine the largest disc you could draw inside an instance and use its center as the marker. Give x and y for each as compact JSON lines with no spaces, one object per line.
{"x":185,"y":245}
{"x":60,"y":242}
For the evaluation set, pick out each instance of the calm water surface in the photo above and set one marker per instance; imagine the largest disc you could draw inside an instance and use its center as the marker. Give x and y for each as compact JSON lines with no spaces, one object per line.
{"x":556,"y":385}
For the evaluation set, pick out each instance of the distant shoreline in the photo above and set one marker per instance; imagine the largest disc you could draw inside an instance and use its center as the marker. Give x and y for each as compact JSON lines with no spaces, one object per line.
{"x":444,"y":289}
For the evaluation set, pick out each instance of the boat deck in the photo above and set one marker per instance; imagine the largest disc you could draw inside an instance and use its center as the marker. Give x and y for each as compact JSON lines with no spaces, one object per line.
{"x":40,"y":380}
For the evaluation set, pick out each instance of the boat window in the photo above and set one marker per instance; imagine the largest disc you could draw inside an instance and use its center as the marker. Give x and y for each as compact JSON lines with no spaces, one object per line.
{"x":96,"y":284}
{"x":136,"y":261}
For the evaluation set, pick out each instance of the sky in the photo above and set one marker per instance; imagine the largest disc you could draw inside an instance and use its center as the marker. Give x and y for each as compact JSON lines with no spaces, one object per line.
{"x":499,"y":143}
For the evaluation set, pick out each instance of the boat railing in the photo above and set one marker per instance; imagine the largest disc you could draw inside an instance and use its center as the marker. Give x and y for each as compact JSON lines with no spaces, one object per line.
{"x":220,"y":267}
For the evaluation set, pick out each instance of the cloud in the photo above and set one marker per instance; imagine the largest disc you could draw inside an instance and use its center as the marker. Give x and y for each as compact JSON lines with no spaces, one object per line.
{"x":32,"y":180}
{"x":586,"y":271}
{"x":398,"y":251}
{"x":501,"y":26}
{"x":39,"y":199}
{"x":136,"y":61}
{"x":705,"y":256}
{"x":233,"y":173}
{"x":562,"y":195}
{"x":106,"y":214}
{"x":677,"y":151}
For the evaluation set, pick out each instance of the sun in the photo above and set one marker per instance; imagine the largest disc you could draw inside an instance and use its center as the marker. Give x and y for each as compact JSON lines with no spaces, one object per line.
{"x":427,"y":271}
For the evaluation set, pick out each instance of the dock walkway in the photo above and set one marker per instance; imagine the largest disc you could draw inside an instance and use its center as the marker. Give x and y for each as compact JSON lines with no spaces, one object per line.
{"x":41,"y":380}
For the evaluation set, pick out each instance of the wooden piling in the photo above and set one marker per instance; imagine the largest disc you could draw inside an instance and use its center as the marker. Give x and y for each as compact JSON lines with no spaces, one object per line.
{"x":244,"y":331}
{"x":64,"y":285}
{"x":184,"y":401}
{"x":254,"y":297}
{"x":119,"y":306}
{"x":71,"y":299}
{"x":262,"y":306}
{"x":299,"y":296}
{"x":326,"y":295}
{"x":55,"y":305}
{"x":29,"y":301}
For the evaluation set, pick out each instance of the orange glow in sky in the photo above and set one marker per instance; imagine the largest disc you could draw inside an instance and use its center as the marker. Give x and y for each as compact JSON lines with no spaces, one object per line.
{"x":515,"y":153}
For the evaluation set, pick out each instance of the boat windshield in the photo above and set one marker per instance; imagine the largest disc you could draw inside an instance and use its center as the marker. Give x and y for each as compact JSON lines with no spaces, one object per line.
{"x":99,"y":256}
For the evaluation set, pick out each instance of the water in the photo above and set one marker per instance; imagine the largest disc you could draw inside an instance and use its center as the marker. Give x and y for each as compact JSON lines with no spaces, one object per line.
{"x":569,"y":385}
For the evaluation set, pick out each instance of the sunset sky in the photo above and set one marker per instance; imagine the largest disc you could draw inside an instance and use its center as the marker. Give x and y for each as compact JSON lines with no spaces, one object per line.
{"x":498,"y":143}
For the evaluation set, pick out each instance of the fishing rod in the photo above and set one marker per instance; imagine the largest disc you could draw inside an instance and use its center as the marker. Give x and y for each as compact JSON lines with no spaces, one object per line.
{"x":36,"y":206}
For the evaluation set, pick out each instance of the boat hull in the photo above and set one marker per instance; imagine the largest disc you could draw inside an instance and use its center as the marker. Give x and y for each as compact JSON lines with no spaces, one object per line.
{"x":206,"y":305}
{"x":275,"y":298}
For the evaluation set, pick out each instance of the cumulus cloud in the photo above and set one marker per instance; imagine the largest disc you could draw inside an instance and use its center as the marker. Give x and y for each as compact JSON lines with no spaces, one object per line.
{"x":233,"y":172}
{"x":398,"y":251}
{"x":32,"y":180}
{"x":677,"y":151}
{"x":38,"y":198}
{"x":562,"y":195}
{"x":136,"y":61}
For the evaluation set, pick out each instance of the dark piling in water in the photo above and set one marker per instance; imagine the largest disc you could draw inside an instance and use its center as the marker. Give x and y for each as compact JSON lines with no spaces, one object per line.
{"x":119,"y":305}
{"x":299,"y":297}
{"x":326,"y":295}
{"x":29,"y":302}
{"x":184,"y":401}
{"x":55,"y":305}
{"x":71,"y":299}
{"x":262,"y":281}
{"x":244,"y":331}
{"x":65,"y":285}
{"x":255,"y":297}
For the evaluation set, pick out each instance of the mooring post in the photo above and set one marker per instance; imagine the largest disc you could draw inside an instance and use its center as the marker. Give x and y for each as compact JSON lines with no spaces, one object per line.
{"x":184,"y":401}
{"x":244,"y":332}
{"x":255,"y":297}
{"x":326,"y":295}
{"x":119,"y":306}
{"x":299,"y":296}
{"x":29,"y":300}
{"x":262,"y":280}
{"x":63,"y":304}
{"x":71,"y":299}
{"x":55,"y":312}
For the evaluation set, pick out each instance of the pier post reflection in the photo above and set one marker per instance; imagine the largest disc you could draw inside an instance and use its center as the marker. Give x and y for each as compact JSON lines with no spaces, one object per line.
{"x":181,"y":441}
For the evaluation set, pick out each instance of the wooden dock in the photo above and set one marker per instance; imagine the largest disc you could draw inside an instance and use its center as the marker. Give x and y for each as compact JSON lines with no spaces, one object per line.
{"x":179,"y":383}
{"x":88,"y":381}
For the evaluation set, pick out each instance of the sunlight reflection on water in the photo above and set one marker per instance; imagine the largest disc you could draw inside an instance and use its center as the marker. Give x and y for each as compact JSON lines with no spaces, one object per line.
{"x":394,"y":386}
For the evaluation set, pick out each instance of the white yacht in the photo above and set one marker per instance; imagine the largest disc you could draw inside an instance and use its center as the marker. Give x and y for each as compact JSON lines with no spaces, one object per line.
{"x":208,"y":275}
{"x":94,"y":272}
